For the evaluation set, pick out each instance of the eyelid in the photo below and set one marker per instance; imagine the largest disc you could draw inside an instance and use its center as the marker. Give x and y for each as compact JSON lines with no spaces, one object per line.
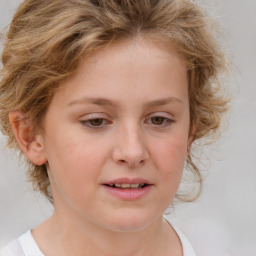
{"x":161,"y":114}
{"x":97,"y":115}
{"x":168,"y":119}
{"x":85,"y":120}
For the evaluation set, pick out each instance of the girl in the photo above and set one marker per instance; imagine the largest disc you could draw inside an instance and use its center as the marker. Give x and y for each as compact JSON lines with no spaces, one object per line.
{"x":104,"y":98}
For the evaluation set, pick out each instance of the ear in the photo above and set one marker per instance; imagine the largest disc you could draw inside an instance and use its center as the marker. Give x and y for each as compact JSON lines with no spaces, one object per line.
{"x":30,"y":142}
{"x":191,"y":137}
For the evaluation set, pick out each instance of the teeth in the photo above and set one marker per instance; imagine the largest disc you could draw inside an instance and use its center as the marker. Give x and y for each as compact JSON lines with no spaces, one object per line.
{"x":127,"y":186}
{"x":135,"y":185}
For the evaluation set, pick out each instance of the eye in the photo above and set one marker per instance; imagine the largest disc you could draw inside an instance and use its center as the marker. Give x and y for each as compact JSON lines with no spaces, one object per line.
{"x":94,"y":123}
{"x":160,"y":121}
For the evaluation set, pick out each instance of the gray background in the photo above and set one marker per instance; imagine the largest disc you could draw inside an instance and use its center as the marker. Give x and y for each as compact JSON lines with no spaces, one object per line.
{"x":222,"y":221}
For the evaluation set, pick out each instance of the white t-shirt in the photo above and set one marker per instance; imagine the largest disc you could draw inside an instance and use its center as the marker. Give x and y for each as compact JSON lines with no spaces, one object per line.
{"x":25,"y":245}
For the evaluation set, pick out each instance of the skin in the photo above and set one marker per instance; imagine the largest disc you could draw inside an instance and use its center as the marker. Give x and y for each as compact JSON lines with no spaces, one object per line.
{"x":123,"y":113}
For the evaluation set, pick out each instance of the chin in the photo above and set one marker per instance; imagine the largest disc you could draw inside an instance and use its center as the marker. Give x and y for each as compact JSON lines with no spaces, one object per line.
{"x":130,"y":221}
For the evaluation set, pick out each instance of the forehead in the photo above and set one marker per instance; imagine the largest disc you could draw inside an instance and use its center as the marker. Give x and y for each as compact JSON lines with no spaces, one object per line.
{"x":126,"y":68}
{"x":139,"y":50}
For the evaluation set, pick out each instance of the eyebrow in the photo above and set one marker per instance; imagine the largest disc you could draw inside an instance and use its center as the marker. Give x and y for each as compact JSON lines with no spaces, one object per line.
{"x":92,"y":100}
{"x":110,"y":103}
{"x":164,"y":101}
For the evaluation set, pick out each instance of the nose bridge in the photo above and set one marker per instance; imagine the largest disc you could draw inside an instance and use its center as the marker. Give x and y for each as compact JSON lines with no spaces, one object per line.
{"x":130,"y":147}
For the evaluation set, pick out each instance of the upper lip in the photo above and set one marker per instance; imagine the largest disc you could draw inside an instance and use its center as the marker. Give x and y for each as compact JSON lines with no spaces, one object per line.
{"x":126,"y":180}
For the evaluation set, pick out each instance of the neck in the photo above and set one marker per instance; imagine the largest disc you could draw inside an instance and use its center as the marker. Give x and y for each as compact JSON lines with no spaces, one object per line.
{"x":58,"y":236}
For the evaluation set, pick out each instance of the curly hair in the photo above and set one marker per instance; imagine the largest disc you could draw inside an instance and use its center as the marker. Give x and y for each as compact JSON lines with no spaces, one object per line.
{"x":47,"y":39}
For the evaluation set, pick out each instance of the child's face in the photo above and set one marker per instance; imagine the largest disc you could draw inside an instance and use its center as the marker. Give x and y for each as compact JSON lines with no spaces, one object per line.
{"x":124,"y":114}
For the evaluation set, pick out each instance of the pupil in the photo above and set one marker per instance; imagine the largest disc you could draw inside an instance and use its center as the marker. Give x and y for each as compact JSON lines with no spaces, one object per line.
{"x":96,"y":122}
{"x":157,"y":120}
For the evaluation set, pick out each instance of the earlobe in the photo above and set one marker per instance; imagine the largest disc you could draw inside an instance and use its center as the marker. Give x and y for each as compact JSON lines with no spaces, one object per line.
{"x":191,"y":138}
{"x":29,"y":141}
{"x":190,"y":141}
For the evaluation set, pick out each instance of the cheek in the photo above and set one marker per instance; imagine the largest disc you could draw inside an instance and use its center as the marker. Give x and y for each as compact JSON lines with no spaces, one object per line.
{"x":170,"y":156}
{"x":75,"y":164}
{"x":75,"y":153}
{"x":169,"y":161}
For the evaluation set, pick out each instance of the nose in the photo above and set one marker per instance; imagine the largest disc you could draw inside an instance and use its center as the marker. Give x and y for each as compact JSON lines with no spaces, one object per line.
{"x":130,"y":147}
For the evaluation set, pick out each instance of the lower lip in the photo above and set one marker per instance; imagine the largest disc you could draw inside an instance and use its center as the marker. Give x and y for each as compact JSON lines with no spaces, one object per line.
{"x":128,"y":194}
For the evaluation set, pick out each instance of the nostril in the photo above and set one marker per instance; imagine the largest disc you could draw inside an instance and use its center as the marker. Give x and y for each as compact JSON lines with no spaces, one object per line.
{"x":131,"y":163}
{"x":130,"y":157}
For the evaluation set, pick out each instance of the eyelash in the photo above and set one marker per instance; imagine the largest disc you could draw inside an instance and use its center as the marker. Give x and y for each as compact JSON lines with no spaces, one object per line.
{"x":103,"y":122}
{"x":165,"y":121}
{"x":88,"y":123}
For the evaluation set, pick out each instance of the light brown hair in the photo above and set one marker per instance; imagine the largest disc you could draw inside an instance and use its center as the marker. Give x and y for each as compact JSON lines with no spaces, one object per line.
{"x":47,"y":39}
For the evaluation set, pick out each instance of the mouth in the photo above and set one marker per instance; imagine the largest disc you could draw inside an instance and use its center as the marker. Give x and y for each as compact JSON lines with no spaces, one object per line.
{"x":128,"y":189}
{"x":127,"y":185}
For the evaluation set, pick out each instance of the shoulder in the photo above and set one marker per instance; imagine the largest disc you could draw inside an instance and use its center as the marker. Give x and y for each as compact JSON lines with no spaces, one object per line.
{"x":12,"y":249}
{"x":25,"y":245}
{"x":186,"y":245}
